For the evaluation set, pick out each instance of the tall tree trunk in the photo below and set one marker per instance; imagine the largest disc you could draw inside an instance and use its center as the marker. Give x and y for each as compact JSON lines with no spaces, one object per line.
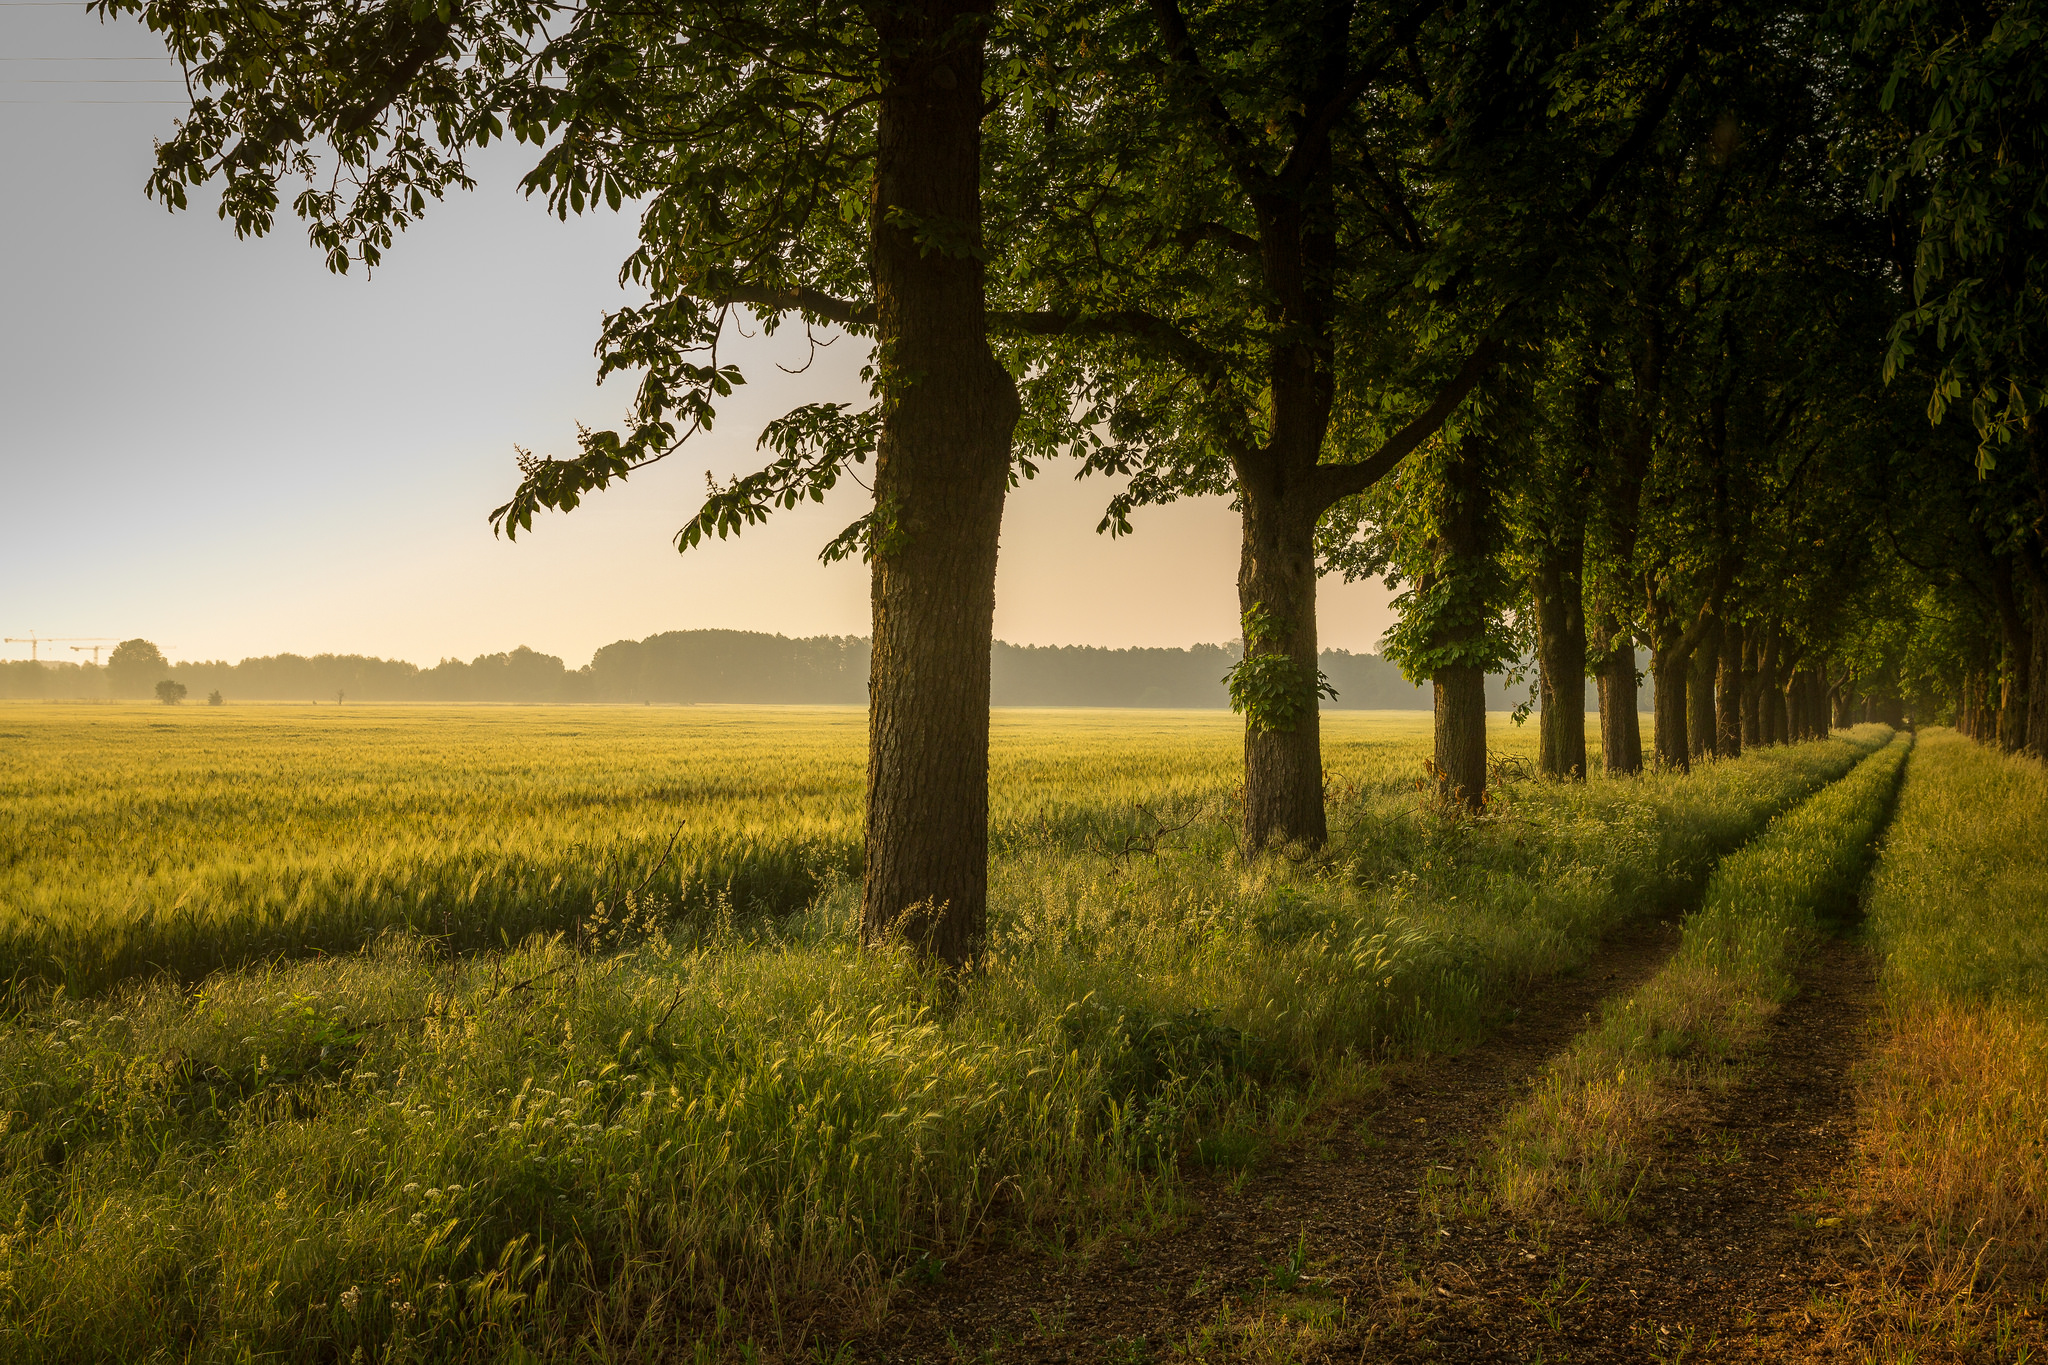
{"x":1767,"y":726}
{"x":1561,"y":660}
{"x":1669,"y":667}
{"x":942,"y":469}
{"x":1276,"y":581}
{"x":1461,"y":690}
{"x":1729,"y":713}
{"x":2018,"y":656}
{"x":2012,"y":696}
{"x":1817,"y":691}
{"x":1460,"y":706}
{"x":1621,"y":727}
{"x":1752,"y":690}
{"x":1705,"y":667}
{"x":2037,"y":673}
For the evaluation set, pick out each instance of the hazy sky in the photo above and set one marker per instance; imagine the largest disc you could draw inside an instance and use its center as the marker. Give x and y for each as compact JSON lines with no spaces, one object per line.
{"x":220,"y":446}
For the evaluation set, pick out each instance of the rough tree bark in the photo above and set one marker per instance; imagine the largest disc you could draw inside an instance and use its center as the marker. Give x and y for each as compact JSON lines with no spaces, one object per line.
{"x":1283,"y":769}
{"x":1669,"y":667}
{"x":2037,"y":671}
{"x":1705,"y":668}
{"x":1728,"y":718}
{"x":942,"y":470}
{"x":1461,"y":690}
{"x":2019,"y":656}
{"x":1561,"y":657}
{"x":1621,"y":727}
{"x":1752,"y":689}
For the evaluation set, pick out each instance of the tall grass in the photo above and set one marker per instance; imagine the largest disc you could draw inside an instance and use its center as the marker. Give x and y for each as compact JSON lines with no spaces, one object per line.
{"x":647,"y":1145}
{"x":1585,"y":1136}
{"x":1952,"y":1168}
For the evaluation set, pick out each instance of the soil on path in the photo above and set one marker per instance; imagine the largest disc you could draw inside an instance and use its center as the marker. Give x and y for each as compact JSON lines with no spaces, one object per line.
{"x":1323,"y":1251}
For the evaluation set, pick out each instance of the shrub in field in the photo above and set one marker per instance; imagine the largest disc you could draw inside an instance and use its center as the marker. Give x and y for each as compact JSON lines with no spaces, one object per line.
{"x":169,"y":692}
{"x":1583,"y":1137}
{"x":574,"y":1154}
{"x":1951,"y":1175}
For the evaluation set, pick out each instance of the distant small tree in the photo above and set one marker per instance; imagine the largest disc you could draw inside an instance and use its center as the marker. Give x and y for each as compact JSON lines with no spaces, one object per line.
{"x":214,"y":698}
{"x":170,"y":693}
{"x":133,"y":667}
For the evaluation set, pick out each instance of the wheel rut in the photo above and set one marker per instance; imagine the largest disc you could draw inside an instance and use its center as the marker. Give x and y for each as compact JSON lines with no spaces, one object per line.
{"x":1350,"y":1187}
{"x":1721,"y":1249}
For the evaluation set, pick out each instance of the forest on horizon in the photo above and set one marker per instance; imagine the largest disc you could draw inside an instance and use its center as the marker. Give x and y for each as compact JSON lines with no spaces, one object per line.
{"x":686,"y":666}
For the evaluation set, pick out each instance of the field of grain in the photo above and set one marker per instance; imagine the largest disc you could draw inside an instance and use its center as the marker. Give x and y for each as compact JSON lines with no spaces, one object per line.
{"x":145,"y":838}
{"x":320,"y":1046}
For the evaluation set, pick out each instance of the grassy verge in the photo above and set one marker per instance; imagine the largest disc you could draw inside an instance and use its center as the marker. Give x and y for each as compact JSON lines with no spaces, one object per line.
{"x":1583,"y":1139}
{"x":1949,"y":1191}
{"x":562,"y":1153}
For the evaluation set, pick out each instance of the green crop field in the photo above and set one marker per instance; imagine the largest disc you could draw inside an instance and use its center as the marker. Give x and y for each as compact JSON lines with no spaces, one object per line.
{"x":501,"y":1033}
{"x":145,"y":838}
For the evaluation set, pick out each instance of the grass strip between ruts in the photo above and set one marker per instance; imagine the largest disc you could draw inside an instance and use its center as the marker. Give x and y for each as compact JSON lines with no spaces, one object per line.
{"x":1582,"y":1139}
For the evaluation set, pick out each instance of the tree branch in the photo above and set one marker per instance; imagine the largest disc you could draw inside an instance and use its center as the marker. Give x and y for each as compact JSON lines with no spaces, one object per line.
{"x":1299,"y":161}
{"x":1180,"y":46}
{"x":801,"y":299}
{"x":1130,"y":323}
{"x":1335,"y":481}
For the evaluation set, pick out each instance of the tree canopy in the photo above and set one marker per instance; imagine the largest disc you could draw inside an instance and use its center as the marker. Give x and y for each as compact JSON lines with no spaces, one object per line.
{"x":1595,"y":328}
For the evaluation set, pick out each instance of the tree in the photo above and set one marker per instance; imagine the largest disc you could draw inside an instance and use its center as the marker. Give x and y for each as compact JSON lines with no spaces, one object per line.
{"x":1272,"y":250}
{"x":214,"y":698}
{"x":1963,"y":128}
{"x":170,"y":692}
{"x":1436,"y":529}
{"x":134,"y":667}
{"x":816,"y":163}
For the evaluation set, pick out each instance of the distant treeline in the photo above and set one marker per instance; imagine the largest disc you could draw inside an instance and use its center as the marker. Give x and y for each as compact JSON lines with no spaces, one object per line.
{"x":684,"y":666}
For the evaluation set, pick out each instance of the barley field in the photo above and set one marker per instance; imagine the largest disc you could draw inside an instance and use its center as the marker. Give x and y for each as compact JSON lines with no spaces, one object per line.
{"x":514,"y":1034}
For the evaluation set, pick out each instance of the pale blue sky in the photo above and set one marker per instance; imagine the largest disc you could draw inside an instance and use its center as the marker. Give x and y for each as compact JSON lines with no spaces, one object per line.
{"x":218,"y":445}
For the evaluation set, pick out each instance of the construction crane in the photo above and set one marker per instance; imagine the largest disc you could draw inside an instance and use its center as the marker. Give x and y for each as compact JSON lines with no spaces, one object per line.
{"x":34,"y":641}
{"x":95,"y":649}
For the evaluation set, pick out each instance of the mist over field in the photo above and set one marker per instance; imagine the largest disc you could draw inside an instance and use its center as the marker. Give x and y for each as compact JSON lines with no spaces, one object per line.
{"x":726,"y":666}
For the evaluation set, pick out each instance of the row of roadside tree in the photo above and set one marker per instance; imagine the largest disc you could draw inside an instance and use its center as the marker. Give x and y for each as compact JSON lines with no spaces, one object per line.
{"x":1600,"y":329}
